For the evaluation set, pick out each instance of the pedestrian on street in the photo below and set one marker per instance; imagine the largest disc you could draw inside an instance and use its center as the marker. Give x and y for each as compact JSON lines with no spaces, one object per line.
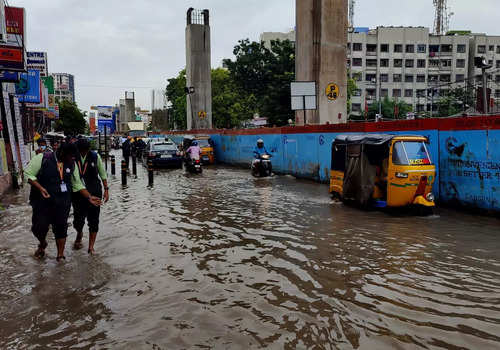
{"x":42,"y":145}
{"x":92,"y":172}
{"x":53,"y":176}
{"x":126,"y":148}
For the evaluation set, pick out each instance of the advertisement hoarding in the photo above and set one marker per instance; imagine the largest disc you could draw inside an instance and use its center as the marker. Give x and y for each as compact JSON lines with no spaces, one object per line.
{"x":28,"y":89}
{"x":37,"y":60}
{"x":104,"y":112}
{"x":12,"y":55}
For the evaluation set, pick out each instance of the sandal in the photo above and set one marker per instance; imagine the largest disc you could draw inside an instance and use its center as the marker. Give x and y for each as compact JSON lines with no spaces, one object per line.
{"x":78,"y":245}
{"x":59,"y":258}
{"x":91,"y":252}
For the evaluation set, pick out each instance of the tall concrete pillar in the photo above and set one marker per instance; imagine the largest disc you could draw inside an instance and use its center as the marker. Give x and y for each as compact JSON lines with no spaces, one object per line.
{"x":321,"y":53}
{"x":198,"y":70}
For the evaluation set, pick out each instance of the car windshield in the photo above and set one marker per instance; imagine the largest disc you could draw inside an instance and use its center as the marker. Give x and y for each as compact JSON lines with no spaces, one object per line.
{"x":410,"y":153}
{"x":164,"y":147}
{"x":203,"y":143}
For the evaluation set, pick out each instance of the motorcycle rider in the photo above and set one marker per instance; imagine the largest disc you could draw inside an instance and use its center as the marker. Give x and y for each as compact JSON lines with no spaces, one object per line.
{"x":194,"y":151}
{"x":258,"y":152}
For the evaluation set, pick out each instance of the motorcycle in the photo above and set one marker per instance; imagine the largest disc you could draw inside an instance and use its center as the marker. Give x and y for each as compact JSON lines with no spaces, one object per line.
{"x":262,"y":167}
{"x":194,"y":166}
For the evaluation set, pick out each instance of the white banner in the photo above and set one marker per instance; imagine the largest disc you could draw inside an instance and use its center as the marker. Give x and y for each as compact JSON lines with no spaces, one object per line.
{"x":10,"y":128}
{"x":20,"y":136}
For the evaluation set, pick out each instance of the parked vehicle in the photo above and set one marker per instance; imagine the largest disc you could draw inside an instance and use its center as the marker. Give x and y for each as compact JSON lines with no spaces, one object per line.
{"x":382,"y":170}
{"x":262,"y":166}
{"x":163,"y":154}
{"x":206,"y":144}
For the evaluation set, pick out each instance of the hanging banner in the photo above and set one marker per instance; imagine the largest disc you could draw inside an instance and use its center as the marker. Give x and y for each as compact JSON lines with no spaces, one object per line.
{"x":10,"y":129}
{"x":20,"y":137}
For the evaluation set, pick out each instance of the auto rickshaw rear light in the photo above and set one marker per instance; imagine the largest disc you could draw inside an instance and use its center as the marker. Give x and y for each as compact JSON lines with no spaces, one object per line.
{"x":430,"y":197}
{"x":402,"y":175}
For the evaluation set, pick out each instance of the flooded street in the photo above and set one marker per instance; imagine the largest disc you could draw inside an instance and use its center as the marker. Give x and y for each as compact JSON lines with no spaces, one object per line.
{"x":226,"y":261}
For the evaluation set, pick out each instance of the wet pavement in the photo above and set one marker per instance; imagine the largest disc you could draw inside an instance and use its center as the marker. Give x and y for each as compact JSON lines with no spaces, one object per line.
{"x":225,"y":261}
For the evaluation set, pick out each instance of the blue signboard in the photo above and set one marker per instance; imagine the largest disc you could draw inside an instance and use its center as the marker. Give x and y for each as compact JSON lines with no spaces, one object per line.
{"x":9,"y":77}
{"x":28,"y":88}
{"x":108,"y":123}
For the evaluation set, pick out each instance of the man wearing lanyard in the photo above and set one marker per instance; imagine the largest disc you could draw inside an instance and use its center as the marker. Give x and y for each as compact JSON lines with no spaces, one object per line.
{"x":52,"y":176}
{"x":92,"y":172}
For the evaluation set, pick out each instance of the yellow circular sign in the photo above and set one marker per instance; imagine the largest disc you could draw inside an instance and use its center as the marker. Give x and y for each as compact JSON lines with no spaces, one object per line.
{"x":202,"y":114}
{"x":332,"y":92}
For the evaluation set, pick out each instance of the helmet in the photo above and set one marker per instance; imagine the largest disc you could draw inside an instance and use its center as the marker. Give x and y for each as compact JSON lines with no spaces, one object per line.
{"x":41,"y":140}
{"x":260,"y":142}
{"x":194,"y":143}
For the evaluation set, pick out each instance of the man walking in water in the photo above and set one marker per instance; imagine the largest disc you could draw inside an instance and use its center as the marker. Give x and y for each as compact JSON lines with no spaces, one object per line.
{"x":92,"y":172}
{"x":53,"y":176}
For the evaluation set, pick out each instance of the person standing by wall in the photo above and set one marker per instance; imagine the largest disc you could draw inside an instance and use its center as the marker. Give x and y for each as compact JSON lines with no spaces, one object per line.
{"x":92,"y":172}
{"x":53,"y":176}
{"x":126,"y":148}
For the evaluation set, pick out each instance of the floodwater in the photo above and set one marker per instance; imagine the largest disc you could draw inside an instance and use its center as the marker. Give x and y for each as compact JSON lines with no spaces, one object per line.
{"x":225,"y":261}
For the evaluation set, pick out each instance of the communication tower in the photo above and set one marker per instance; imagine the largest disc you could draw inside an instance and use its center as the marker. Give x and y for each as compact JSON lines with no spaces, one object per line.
{"x":442,"y":17}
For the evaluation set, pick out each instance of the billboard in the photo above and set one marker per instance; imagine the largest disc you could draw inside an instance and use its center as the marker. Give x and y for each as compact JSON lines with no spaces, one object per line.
{"x":12,"y":56}
{"x":37,"y":60}
{"x":105,"y":112}
{"x":29,"y":88}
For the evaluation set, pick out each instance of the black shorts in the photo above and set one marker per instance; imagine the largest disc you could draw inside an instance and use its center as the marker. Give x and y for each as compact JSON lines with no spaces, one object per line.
{"x":83,"y":209}
{"x":50,"y":212}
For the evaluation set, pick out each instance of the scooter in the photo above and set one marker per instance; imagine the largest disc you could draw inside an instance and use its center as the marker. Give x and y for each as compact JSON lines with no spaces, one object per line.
{"x":262,"y":167}
{"x":194,"y":166}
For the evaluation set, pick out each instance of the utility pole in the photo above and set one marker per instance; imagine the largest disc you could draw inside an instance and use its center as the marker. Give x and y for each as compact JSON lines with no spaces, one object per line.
{"x":485,"y":90}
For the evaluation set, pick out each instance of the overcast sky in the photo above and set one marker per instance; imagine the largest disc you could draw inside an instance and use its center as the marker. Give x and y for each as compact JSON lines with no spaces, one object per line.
{"x":111,"y":46}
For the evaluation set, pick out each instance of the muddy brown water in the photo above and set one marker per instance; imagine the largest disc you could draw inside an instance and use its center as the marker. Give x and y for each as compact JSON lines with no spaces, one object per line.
{"x":225,"y":261}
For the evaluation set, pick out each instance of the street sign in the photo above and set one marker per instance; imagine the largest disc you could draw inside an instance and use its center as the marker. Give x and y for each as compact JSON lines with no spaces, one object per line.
{"x":202,"y":114}
{"x":332,"y":91}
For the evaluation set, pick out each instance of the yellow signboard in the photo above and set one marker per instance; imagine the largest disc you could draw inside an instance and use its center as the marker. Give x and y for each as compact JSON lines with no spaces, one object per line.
{"x":332,"y":91}
{"x":202,"y":114}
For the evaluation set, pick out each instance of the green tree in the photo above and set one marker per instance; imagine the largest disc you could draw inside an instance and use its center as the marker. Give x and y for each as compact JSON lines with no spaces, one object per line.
{"x":71,"y":120}
{"x":454,"y":101}
{"x":389,"y":109}
{"x":266,"y":75}
{"x":176,"y":94}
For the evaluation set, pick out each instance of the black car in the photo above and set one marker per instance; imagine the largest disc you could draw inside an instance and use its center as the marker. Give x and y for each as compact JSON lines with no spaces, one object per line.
{"x":163,"y":154}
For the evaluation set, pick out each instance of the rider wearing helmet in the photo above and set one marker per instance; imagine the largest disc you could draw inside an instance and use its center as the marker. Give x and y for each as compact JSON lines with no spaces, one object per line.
{"x":260,"y":149}
{"x":194,"y":150}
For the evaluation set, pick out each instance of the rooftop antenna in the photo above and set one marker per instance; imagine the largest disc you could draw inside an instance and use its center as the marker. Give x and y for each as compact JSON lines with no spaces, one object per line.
{"x":352,"y":3}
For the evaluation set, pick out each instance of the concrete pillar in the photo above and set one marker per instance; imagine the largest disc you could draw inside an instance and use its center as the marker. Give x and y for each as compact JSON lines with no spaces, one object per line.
{"x":198,"y":70}
{"x":321,"y":53}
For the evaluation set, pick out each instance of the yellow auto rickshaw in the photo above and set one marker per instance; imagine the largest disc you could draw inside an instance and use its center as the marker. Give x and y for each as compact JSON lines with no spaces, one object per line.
{"x":207,"y":149}
{"x":382,"y":170}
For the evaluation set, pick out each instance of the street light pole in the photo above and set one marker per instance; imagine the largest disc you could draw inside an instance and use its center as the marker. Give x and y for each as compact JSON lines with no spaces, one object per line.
{"x":380,"y":96}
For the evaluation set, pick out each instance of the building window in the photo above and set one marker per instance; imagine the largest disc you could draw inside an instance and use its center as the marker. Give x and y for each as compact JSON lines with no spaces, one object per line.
{"x":357,"y":92}
{"x":370,"y":77}
{"x":398,"y":63}
{"x":421,"y":93}
{"x":356,"y":107}
{"x":459,"y":78}
{"x":357,"y":62}
{"x":384,"y":78}
{"x":445,"y":63}
{"x":421,"y":78}
{"x":433,"y":78}
{"x":460,"y":63}
{"x":421,"y":63}
{"x":371,"y":63}
{"x":433,"y":63}
{"x":357,"y":47}
{"x":358,"y":76}
{"x":398,"y":48}
{"x":396,"y":92}
{"x":410,"y":48}
{"x":497,"y":93}
{"x":371,"y":93}
{"x":384,"y":62}
{"x":498,"y":49}
{"x":371,"y":47}
{"x":408,"y":93}
{"x":396,"y":78}
{"x":446,"y":48}
{"x":461,"y":48}
{"x":481,"y":49}
{"x":433,"y":49}
{"x":490,"y":62}
{"x":408,"y":78}
{"x":446,"y":78}
{"x":409,"y":63}
{"x":491,"y":48}
{"x":384,"y":47}
{"x":497,"y":78}
{"x":384,"y":93}
{"x":498,"y":64}
{"x":421,"y":48}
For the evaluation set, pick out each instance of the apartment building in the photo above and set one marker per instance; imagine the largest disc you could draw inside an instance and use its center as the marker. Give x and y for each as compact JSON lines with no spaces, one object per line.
{"x":64,"y":86}
{"x":402,"y":63}
{"x":488,"y":47}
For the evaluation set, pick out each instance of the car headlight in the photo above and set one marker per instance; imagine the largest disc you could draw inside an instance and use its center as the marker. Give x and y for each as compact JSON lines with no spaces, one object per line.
{"x":430,"y":197}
